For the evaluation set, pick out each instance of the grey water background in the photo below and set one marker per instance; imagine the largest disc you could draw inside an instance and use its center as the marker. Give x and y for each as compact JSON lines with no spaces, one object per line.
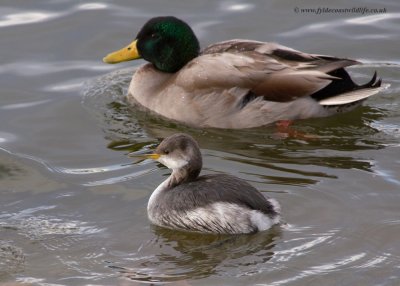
{"x":73,"y":205}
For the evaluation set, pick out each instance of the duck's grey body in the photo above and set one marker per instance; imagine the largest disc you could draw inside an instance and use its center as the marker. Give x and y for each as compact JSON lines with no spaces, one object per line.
{"x":212,"y":203}
{"x":244,"y":84}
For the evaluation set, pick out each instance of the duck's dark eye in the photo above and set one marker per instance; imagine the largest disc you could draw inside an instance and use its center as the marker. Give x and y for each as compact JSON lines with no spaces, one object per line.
{"x":166,"y":152}
{"x":154,"y":35}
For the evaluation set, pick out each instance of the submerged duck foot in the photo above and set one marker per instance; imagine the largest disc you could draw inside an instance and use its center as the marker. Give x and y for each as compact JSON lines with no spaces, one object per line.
{"x":284,"y":130}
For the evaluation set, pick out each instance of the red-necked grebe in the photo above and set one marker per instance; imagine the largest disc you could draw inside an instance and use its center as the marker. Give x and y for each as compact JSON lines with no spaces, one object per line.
{"x":217,"y":203}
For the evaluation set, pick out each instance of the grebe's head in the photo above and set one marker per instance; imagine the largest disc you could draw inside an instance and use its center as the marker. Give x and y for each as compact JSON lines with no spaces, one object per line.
{"x":179,"y":152}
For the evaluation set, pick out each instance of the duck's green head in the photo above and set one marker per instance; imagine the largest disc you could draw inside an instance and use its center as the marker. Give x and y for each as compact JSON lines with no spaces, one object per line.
{"x":167,"y":42}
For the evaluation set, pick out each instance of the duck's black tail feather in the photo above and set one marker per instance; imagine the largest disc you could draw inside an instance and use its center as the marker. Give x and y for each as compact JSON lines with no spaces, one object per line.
{"x":344,"y":90}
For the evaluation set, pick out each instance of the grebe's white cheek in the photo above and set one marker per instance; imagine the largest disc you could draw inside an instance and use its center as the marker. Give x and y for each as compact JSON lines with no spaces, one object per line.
{"x":172,"y":163}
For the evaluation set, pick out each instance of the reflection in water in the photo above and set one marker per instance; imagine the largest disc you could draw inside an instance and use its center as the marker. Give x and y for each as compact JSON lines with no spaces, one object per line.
{"x":176,"y":255}
{"x":129,"y":128}
{"x":7,"y":171}
{"x":12,"y":258}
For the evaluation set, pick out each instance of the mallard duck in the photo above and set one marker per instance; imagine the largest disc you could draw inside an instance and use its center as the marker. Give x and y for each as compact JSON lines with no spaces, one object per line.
{"x":235,"y":83}
{"x":216,"y":203}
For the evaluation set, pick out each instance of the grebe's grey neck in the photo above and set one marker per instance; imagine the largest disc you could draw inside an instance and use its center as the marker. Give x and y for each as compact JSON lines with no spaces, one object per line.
{"x":180,"y":153}
{"x":177,"y":177}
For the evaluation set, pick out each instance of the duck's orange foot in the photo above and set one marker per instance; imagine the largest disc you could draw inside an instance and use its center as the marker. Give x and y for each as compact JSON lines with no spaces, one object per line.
{"x":285,"y":131}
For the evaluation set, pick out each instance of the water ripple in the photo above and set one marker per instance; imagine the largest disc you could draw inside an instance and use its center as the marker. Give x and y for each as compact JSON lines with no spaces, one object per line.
{"x":234,"y":6}
{"x":12,"y":258}
{"x":320,"y":269}
{"x":92,"y":6}
{"x":372,"y":19}
{"x":24,"y":104}
{"x":39,"y":68}
{"x":118,"y":179}
{"x":25,"y":18}
{"x":175,"y":255}
{"x":7,"y":137}
{"x":37,"y":227}
{"x":388,"y":175}
{"x":341,"y":27}
{"x":302,"y":249}
{"x":375,"y":261}
{"x":335,"y":265}
{"x":93,"y":170}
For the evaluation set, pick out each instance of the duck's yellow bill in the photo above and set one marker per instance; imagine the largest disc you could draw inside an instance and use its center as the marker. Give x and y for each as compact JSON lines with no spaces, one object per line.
{"x":128,"y":53}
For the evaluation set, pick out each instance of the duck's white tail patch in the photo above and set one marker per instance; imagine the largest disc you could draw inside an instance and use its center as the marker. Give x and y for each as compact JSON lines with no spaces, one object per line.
{"x":353,"y":96}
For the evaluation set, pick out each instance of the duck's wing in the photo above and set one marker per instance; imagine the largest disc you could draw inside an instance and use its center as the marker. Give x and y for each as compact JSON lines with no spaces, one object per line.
{"x":275,"y":72}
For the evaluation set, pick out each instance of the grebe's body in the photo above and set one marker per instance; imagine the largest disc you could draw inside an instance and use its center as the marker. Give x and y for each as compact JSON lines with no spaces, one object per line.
{"x":216,"y":203}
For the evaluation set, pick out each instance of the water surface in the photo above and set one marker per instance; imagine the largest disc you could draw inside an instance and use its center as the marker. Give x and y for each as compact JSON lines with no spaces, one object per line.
{"x":73,"y":205}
